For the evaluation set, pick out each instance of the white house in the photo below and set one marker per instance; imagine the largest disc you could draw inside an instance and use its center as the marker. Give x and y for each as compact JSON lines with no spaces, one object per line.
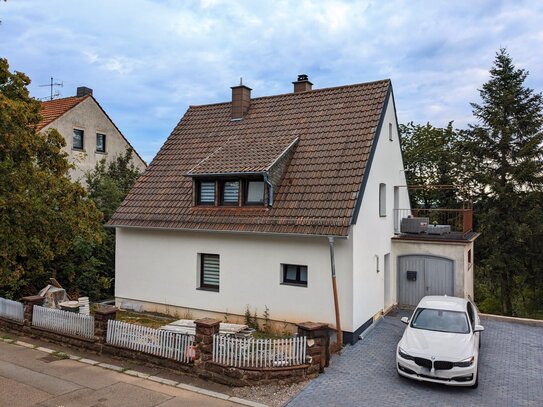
{"x":89,"y":132}
{"x":253,"y":202}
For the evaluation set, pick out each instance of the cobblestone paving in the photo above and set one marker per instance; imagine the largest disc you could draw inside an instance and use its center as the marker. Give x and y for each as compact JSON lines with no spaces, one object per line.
{"x":510,"y":372}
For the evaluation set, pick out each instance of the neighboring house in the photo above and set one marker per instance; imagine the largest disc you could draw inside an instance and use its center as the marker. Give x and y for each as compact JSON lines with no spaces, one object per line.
{"x":89,"y":132}
{"x":246,"y":201}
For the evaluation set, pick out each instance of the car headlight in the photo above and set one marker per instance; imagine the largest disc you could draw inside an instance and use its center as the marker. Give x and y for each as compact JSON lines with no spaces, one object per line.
{"x":465,"y":363}
{"x":404,"y":355}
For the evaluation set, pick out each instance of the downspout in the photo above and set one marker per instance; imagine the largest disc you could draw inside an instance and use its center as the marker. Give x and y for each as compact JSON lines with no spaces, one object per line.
{"x":339,"y":333}
{"x":270,"y":190}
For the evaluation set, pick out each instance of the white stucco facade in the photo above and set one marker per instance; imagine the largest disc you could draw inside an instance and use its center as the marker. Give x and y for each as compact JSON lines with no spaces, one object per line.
{"x":160,"y":267}
{"x":90,"y":118}
{"x":372,"y":232}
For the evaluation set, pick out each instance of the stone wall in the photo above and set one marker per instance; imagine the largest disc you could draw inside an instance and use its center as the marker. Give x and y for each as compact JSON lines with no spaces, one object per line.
{"x":317,"y":349}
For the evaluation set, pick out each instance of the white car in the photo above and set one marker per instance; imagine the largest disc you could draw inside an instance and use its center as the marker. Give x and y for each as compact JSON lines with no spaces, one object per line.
{"x":441,"y":342}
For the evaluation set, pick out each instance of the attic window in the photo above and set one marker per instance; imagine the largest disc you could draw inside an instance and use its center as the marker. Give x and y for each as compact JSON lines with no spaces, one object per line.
{"x":206,"y":194}
{"x":230,"y":192}
{"x":255,"y":192}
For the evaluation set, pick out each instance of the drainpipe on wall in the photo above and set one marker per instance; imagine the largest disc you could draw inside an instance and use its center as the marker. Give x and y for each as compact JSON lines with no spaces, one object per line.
{"x":339,"y":333}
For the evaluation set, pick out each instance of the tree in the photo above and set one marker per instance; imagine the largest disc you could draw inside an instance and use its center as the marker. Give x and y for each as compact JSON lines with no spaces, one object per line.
{"x":431,"y":158}
{"x":506,"y":146}
{"x":42,"y":212}
{"x":108,"y":185}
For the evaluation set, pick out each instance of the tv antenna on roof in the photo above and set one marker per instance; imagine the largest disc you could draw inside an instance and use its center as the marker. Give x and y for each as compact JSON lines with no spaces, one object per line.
{"x":52,"y":86}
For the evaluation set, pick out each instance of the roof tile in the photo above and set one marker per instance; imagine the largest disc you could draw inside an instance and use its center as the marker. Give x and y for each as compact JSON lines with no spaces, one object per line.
{"x":335,"y":128}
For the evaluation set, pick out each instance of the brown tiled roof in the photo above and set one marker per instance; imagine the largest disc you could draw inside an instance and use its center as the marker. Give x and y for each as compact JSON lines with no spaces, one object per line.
{"x":253,"y":153}
{"x":53,"y":109}
{"x":320,"y":188}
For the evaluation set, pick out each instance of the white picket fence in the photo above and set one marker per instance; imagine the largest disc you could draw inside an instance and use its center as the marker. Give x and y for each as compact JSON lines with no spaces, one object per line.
{"x":11,"y":309}
{"x":63,"y":322}
{"x":259,"y":353}
{"x":157,"y":342}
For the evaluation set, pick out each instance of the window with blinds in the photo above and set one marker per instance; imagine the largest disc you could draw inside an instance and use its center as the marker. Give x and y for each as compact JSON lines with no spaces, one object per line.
{"x":209,"y":271}
{"x":207,"y":193}
{"x":230,"y":192}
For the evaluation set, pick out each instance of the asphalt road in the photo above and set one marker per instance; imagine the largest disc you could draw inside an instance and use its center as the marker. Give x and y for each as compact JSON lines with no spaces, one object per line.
{"x":29,"y":377}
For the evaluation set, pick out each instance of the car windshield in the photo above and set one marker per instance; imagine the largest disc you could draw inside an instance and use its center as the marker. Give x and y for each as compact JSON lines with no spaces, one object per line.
{"x":440,"y":320}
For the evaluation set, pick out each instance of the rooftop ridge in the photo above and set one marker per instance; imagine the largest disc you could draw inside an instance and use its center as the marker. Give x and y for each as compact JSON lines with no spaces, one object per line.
{"x":353,"y":85}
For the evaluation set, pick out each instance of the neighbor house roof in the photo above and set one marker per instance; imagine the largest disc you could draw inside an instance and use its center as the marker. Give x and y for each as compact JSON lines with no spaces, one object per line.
{"x":53,"y":109}
{"x":320,"y":190}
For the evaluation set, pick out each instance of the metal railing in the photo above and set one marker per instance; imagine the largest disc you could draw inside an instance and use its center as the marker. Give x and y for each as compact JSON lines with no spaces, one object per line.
{"x":259,"y":353}
{"x":158,"y":342}
{"x":460,"y":220}
{"x":63,"y":322}
{"x":11,"y":309}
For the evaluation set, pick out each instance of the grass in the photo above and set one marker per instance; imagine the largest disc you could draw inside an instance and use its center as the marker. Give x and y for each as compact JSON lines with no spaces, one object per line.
{"x":60,"y":355}
{"x":3,"y":336}
{"x":148,"y":320}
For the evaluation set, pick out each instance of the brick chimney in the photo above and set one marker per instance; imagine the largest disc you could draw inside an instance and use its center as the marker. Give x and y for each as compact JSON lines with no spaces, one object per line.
{"x":302,"y":84}
{"x":241,"y":100}
{"x":83,"y":91}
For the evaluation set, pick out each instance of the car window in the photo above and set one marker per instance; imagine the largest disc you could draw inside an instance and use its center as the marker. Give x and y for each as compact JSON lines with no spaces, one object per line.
{"x":440,"y":320}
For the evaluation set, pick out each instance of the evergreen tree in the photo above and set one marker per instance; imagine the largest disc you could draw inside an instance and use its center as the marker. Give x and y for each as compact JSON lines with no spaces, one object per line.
{"x":505,"y":147}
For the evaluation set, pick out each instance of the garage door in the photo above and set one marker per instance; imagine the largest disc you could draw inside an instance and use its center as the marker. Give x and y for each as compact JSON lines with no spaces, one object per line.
{"x":423,"y":275}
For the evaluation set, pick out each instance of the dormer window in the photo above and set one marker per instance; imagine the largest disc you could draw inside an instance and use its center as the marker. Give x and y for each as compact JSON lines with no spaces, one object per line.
{"x":230,"y":193}
{"x":255,"y":193}
{"x":206,"y":193}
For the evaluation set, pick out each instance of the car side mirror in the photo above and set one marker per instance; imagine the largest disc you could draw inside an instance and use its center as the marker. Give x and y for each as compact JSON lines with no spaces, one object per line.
{"x":478,"y":328}
{"x":405,"y":320}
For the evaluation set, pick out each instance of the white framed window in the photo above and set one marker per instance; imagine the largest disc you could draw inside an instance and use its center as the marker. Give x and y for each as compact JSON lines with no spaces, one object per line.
{"x":382,"y":200}
{"x":209,"y":271}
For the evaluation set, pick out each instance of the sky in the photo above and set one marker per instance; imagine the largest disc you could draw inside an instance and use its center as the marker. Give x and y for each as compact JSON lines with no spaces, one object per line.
{"x":148,"y":60}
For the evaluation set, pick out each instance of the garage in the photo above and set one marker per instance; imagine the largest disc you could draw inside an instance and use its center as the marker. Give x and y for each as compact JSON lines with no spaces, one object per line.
{"x":421,"y":275}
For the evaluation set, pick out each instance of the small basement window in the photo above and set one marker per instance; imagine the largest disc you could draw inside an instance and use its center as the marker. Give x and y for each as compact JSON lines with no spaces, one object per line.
{"x":230,"y":192}
{"x":100,"y":143}
{"x":209,"y":271}
{"x":206,"y":193}
{"x":255,"y":192}
{"x":293,"y":274}
{"x":78,"y":139}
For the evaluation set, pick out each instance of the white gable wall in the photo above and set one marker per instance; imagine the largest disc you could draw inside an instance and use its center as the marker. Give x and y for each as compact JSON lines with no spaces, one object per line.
{"x":371,"y":235}
{"x":161,"y":267}
{"x":88,"y":116}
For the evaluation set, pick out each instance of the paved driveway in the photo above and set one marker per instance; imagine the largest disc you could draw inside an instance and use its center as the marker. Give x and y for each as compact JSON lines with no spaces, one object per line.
{"x":511,"y":372}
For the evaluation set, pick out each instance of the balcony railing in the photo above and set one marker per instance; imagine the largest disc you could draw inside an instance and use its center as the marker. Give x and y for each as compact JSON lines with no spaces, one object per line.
{"x":460,"y":220}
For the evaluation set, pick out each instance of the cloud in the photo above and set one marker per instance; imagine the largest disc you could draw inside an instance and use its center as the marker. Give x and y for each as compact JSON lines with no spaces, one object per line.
{"x":148,"y":60}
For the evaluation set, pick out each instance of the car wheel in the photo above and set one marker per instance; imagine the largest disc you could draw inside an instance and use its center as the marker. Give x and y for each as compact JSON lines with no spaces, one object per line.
{"x":480,"y":340}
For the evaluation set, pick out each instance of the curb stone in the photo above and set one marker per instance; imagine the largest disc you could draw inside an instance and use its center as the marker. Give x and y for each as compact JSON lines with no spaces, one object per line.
{"x":145,"y":376}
